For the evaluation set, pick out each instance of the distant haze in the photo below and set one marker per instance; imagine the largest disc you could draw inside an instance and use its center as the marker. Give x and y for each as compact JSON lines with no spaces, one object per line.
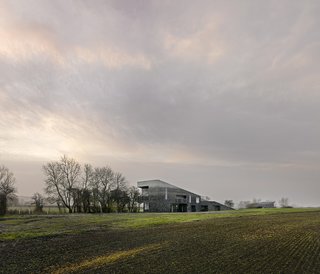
{"x":219,"y":97}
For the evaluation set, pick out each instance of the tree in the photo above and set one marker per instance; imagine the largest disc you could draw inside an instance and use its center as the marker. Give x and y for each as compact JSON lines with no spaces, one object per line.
{"x":85,"y":189}
{"x":284,"y":202}
{"x":103,"y":179}
{"x":134,"y":199}
{"x":71,"y":170}
{"x":87,"y":181}
{"x":38,"y":201}
{"x":62,"y":179}
{"x":54,"y":184}
{"x":229,"y":203}
{"x":120,"y":199}
{"x":119,"y":194}
{"x":243,"y":204}
{"x":7,"y":188}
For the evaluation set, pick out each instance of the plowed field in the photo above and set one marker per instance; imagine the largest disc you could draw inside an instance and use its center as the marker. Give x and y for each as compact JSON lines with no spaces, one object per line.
{"x":266,"y":241}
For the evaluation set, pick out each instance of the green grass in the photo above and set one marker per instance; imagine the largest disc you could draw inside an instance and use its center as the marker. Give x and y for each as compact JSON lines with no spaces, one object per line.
{"x":244,"y":241}
{"x":31,"y":226}
{"x":26,"y":210}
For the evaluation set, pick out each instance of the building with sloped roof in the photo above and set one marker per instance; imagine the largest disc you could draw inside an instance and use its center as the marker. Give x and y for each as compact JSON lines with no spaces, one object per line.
{"x":159,"y":196}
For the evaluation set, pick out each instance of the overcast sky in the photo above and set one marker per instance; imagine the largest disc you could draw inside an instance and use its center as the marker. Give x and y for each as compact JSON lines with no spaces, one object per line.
{"x":219,"y":97}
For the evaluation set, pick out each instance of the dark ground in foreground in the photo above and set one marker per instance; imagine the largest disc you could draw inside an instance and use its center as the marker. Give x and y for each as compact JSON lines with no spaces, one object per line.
{"x":271,"y":243}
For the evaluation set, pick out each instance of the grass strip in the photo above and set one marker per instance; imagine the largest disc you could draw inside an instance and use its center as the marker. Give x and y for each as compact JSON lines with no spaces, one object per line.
{"x":106,"y":259}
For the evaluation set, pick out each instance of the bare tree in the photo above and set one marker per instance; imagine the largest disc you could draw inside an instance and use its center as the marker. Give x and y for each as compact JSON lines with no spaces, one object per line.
{"x":243,"y":204}
{"x":119,"y":194}
{"x":71,"y":170}
{"x":7,"y":188}
{"x":134,"y":199}
{"x":229,"y":203}
{"x":54,"y":184}
{"x":54,"y":198}
{"x":38,"y":201}
{"x":284,"y":202}
{"x":62,"y":179}
{"x":102,"y":186}
{"x":85,"y":190}
{"x":87,"y":176}
{"x":87,"y":181}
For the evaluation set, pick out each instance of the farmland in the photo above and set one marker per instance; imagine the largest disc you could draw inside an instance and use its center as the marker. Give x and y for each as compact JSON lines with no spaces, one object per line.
{"x":247,"y":241}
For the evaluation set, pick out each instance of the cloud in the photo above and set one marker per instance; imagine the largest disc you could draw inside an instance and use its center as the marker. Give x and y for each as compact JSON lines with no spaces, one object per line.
{"x":217,"y":84}
{"x":27,"y":34}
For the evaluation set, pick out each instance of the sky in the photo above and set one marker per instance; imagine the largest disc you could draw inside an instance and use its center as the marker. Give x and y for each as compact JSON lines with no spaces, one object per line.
{"x":219,"y":97}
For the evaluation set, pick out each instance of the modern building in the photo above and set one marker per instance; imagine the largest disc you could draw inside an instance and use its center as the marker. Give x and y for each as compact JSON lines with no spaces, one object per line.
{"x":159,"y":196}
{"x":266,"y":204}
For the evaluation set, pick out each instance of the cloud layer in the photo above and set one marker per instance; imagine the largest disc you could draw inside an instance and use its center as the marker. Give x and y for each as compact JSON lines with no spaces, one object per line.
{"x":213,"y":85}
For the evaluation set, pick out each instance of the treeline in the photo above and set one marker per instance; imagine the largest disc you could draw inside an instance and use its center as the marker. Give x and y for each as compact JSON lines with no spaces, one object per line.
{"x":88,"y":189}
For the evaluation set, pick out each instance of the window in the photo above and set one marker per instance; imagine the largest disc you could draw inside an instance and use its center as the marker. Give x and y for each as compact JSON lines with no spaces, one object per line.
{"x":204,"y":208}
{"x":145,"y":191}
{"x":166,"y":194}
{"x":189,"y":199}
{"x":197,"y":200}
{"x":181,"y":199}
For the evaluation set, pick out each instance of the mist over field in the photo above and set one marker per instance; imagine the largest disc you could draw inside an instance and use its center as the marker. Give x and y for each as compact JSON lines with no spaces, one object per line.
{"x":220,"y":98}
